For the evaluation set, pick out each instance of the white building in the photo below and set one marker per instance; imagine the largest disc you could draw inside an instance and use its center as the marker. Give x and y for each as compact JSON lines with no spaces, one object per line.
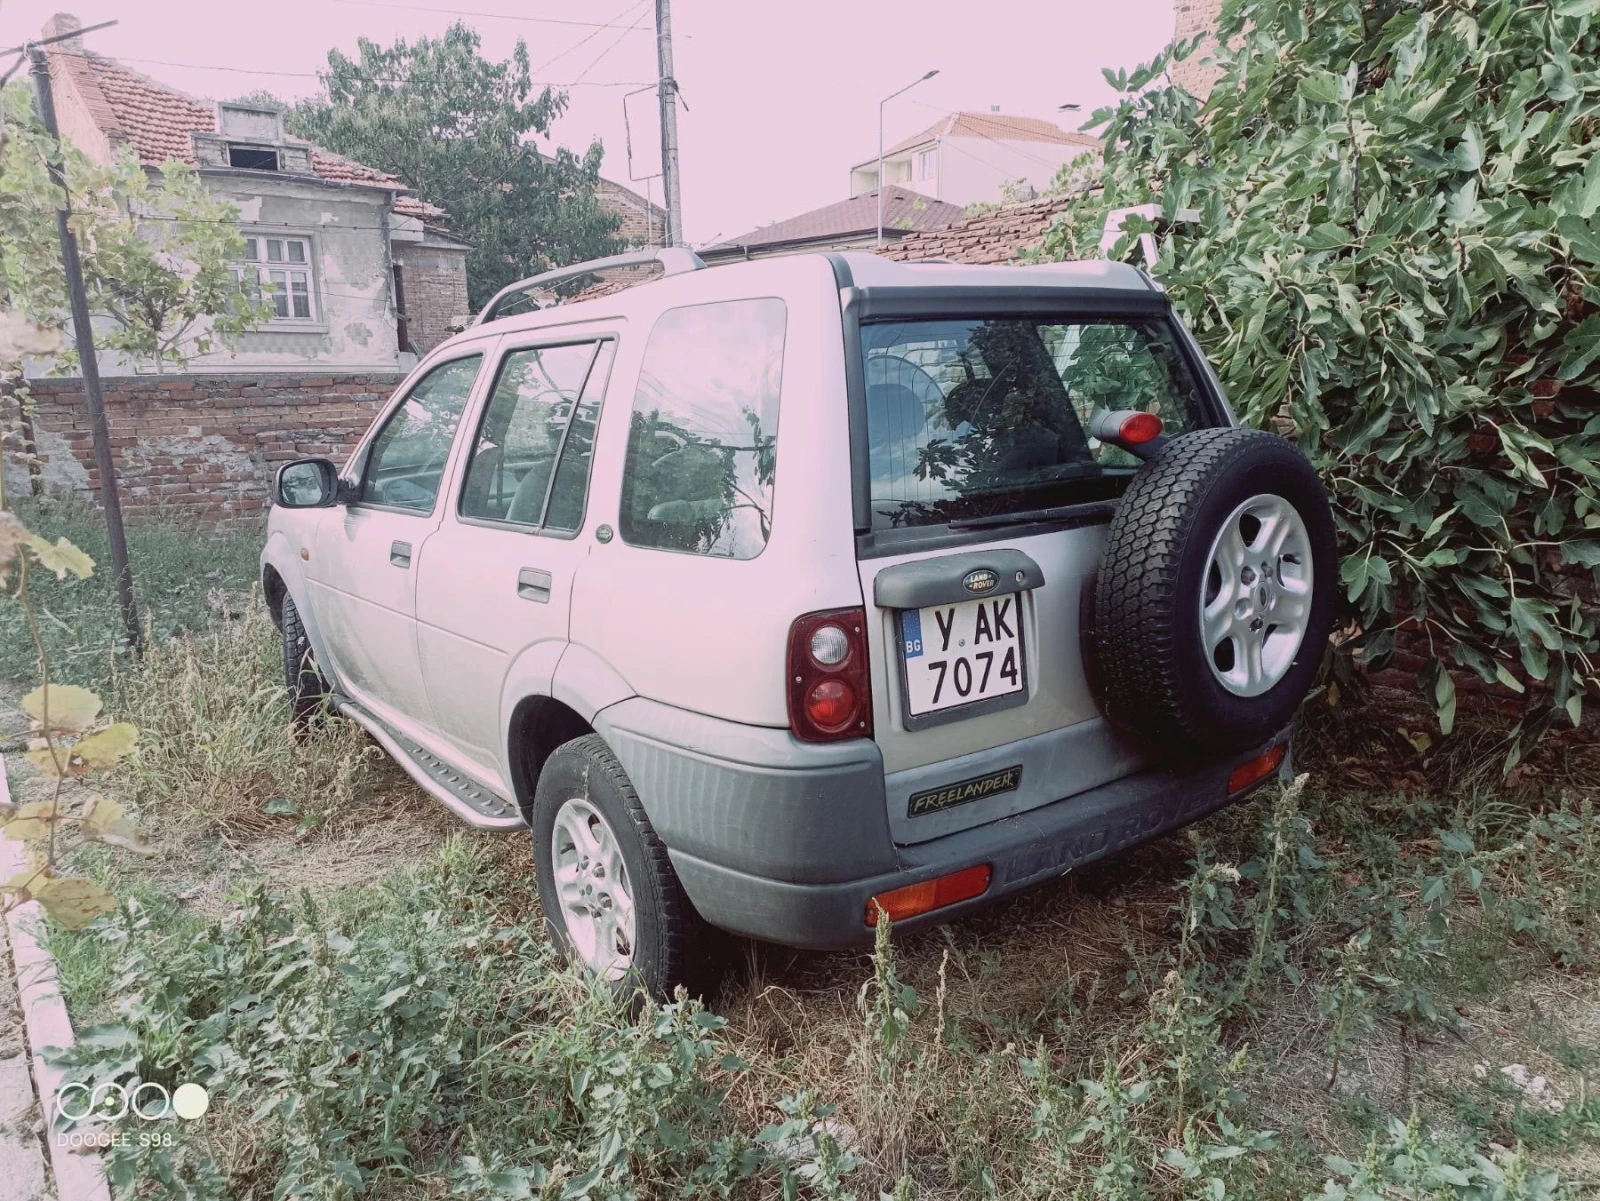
{"x":967,"y":158}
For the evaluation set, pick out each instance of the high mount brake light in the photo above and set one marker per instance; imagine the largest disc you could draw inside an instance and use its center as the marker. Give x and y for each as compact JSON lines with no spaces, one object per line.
{"x":830,"y":687}
{"x":1139,"y":428}
{"x":1137,"y":432}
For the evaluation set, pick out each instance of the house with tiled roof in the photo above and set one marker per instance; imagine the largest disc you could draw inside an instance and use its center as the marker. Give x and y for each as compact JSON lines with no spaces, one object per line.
{"x":361,"y":275}
{"x":848,"y":225}
{"x":976,"y":158}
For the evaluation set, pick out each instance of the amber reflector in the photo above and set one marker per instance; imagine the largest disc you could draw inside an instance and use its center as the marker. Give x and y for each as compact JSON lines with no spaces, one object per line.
{"x":930,"y":894}
{"x":1255,"y":770}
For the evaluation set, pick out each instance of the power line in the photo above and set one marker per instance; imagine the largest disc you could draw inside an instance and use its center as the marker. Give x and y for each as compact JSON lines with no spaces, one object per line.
{"x":615,"y":43}
{"x":160,"y":62}
{"x":629,"y":12}
{"x":461,"y":12}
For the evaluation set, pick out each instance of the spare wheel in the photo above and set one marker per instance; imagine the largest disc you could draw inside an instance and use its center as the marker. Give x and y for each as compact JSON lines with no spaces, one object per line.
{"x":1215,"y":593}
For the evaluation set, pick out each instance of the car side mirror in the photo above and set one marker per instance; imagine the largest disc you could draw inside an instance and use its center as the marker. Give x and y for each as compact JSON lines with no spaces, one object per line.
{"x":307,"y":484}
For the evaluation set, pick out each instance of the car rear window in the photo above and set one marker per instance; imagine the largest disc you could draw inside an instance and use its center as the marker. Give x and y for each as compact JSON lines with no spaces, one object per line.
{"x":981,"y":417}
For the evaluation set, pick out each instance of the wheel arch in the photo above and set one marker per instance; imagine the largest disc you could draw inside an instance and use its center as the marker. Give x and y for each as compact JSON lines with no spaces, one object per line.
{"x":538,"y":725}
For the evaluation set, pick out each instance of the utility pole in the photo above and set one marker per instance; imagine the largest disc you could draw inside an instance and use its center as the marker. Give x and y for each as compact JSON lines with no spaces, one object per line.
{"x":84,"y":334}
{"x":668,"y":92}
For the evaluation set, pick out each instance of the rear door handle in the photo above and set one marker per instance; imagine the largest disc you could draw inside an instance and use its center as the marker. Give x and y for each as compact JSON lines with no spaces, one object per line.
{"x":400,"y":554}
{"x":534,"y":585}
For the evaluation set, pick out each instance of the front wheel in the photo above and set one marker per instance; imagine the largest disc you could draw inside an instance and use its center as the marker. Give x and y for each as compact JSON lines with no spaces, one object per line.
{"x":304,"y":681}
{"x":610,"y":896}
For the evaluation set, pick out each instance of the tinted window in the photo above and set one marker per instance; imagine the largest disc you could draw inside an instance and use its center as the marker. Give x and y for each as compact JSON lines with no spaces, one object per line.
{"x":973,"y":418}
{"x":702,"y":442}
{"x":524,"y":429}
{"x":407,"y":458}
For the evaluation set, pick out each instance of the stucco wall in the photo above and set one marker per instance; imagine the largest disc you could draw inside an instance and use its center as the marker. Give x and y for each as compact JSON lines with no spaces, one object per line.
{"x":355,"y":329}
{"x":972,"y":170}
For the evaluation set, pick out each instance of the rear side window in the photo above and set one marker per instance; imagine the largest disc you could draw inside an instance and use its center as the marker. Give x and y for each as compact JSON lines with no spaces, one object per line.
{"x":702,"y":442}
{"x":537,"y":436}
{"x":406,"y":463}
{"x":984,"y":417}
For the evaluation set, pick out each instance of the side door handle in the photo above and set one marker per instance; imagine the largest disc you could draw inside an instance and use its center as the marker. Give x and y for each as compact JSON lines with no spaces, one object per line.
{"x":400,"y":553}
{"x":534,"y":585}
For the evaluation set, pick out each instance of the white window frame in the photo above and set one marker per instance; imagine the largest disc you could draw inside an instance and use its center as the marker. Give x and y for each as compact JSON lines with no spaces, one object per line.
{"x":299,"y":275}
{"x":927,"y":164}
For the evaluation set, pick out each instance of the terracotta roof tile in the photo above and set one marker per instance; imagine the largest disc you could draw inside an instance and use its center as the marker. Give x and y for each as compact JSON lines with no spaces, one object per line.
{"x":158,"y":121}
{"x":903,"y":211}
{"x":997,"y":126}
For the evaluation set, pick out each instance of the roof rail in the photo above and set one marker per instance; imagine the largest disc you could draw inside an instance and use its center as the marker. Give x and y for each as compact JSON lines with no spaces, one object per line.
{"x":674,"y":260}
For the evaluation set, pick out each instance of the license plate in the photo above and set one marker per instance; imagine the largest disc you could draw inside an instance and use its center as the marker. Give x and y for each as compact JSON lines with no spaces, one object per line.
{"x":962,"y":653}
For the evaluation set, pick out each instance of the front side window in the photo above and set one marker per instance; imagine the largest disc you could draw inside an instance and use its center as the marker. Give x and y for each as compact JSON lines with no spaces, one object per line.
{"x":407,"y":460}
{"x":702,"y":440}
{"x":279,"y":270}
{"x":542,"y":413}
{"x":984,"y":417}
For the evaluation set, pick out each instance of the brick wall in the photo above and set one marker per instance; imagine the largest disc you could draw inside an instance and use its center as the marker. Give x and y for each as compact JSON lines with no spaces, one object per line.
{"x":643,"y":223}
{"x":202,"y":447}
{"x":1194,"y":18}
{"x":434,"y":279}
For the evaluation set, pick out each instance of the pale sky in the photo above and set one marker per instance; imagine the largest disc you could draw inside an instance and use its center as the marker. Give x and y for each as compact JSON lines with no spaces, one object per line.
{"x":782,"y":99}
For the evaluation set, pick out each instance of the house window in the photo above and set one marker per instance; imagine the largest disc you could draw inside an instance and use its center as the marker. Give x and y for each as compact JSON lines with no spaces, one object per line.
{"x":252,"y":158}
{"x":927,"y":163}
{"x":280,"y":270}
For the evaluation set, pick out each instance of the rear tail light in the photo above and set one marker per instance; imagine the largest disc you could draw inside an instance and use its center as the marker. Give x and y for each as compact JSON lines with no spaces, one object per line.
{"x":1253,"y":771}
{"x":830,"y":688}
{"x":930,"y":894}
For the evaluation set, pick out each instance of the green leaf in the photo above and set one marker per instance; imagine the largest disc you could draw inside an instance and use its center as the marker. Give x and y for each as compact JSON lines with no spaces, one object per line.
{"x":1469,"y":151}
{"x":1584,"y":554}
{"x":1444,"y":700}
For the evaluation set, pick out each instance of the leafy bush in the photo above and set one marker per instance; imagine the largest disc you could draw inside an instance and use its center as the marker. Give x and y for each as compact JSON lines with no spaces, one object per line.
{"x":1398,"y":252}
{"x":413,"y":1033}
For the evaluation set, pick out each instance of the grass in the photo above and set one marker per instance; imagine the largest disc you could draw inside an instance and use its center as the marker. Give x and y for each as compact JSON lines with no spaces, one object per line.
{"x":1318,"y":988}
{"x":181,"y":581}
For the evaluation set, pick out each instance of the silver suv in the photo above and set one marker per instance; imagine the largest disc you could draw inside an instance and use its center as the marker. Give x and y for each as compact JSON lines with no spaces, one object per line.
{"x":784,"y":595}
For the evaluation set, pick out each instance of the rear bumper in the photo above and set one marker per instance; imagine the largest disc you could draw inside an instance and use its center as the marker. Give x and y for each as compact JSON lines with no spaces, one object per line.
{"x":787,"y":842}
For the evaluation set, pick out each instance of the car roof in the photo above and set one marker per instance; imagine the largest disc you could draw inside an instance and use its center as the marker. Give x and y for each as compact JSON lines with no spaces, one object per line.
{"x":869,"y":270}
{"x":865,"y":272}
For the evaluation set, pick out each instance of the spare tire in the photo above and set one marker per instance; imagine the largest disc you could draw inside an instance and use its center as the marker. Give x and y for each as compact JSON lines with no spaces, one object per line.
{"x":1215,"y":594}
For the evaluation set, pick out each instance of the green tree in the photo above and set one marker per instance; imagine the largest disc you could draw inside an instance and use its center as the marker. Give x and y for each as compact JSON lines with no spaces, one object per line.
{"x":457,"y":128}
{"x":157,"y":252}
{"x":1398,"y":252}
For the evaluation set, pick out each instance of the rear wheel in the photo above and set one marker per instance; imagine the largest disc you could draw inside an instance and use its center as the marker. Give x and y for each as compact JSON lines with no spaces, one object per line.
{"x":609,"y":893}
{"x":307,"y":688}
{"x":1215,"y":595}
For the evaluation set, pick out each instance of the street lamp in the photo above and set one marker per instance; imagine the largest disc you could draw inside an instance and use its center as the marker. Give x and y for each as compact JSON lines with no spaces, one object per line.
{"x":881,"y":103}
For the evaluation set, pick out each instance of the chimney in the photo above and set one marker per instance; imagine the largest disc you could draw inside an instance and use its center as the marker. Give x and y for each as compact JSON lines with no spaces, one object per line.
{"x":64,"y":23}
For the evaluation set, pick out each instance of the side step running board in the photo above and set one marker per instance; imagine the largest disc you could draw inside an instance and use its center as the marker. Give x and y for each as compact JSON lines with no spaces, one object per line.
{"x":475,"y":805}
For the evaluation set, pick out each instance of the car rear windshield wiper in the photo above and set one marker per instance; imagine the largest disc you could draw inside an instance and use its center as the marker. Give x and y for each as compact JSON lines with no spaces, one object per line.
{"x":1086,"y":512}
